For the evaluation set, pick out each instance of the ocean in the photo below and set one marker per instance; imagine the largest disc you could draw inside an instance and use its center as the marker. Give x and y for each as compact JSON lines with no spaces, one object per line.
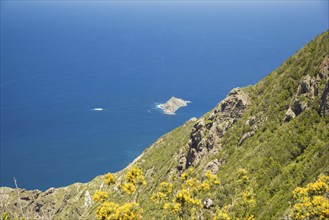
{"x":62,"y":59}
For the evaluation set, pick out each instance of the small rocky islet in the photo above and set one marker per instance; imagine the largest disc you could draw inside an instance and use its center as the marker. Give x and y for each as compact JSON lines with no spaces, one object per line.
{"x":172,"y":105}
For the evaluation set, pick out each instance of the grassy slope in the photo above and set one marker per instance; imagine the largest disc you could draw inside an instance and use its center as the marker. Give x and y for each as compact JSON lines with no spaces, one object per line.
{"x":280,"y":156}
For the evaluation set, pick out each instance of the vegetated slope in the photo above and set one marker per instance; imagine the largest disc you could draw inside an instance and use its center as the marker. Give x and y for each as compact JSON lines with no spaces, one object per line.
{"x":282,"y":138}
{"x":276,"y":130}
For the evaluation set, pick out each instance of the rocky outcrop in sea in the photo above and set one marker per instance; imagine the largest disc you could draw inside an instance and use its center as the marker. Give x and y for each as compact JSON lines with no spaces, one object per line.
{"x":172,"y":105}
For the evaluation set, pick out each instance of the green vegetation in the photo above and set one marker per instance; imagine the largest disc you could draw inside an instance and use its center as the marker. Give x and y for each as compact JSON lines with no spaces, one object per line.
{"x":311,"y":201}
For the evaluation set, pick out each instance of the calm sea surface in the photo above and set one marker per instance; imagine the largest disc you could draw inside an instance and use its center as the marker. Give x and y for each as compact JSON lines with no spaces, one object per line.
{"x":60,"y":60}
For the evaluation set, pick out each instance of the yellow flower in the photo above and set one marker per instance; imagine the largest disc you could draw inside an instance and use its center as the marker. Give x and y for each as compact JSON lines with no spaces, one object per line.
{"x":188,"y":173}
{"x":113,"y":211}
{"x":212,"y":178}
{"x":166,"y":187}
{"x":311,"y":201}
{"x":128,"y":188}
{"x":135,"y":176}
{"x":166,"y":206}
{"x":109,"y":178}
{"x":205,"y":186}
{"x":173,"y":207}
{"x":100,"y":196}
{"x":130,"y":211}
{"x":299,"y":193}
{"x":193,"y":183}
{"x":157,"y":197}
{"x":106,"y":210}
{"x":184,"y":176}
{"x":221,"y":214}
{"x":177,"y":207}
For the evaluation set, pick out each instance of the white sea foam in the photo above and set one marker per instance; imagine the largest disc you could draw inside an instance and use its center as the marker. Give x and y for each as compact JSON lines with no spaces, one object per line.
{"x":97,"y":109}
{"x":160,"y":106}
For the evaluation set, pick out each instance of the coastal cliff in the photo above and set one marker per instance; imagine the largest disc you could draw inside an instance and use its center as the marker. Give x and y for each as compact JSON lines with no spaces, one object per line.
{"x":277,"y":131}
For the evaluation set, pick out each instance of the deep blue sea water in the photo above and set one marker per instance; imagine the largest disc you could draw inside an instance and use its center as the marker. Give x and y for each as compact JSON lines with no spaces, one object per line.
{"x":59,"y":60}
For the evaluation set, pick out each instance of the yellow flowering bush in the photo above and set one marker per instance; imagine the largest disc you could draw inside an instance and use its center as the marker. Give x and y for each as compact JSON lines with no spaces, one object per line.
{"x":128,"y":188}
{"x":185,"y":202}
{"x":114,"y":211}
{"x":135,"y":176}
{"x":319,"y":187}
{"x":108,"y":210}
{"x":100,"y":196}
{"x":165,"y":189}
{"x":189,"y":173}
{"x":157,"y":197}
{"x":130,"y":211}
{"x":243,"y":178}
{"x":311,"y":201}
{"x":221,"y":214}
{"x":185,"y":197}
{"x":248,"y":199}
{"x":300,"y":193}
{"x":109,"y":179}
{"x":173,"y":207}
{"x":213,"y":179}
{"x":205,"y":186}
{"x":243,"y":203}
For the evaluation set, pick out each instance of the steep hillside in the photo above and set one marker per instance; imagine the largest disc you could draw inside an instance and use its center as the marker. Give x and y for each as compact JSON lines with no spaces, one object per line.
{"x":274,"y":134}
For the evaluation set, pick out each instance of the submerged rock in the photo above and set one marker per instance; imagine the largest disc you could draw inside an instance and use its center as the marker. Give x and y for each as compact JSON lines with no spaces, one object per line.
{"x":172,"y":105}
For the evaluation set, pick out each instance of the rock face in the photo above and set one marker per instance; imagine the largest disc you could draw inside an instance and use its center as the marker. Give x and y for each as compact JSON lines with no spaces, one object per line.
{"x":309,"y":90}
{"x":172,"y":105}
{"x":88,"y":199}
{"x":324,"y":107}
{"x":306,"y":92}
{"x":208,"y":203}
{"x":246,"y":136}
{"x":208,"y":132}
{"x":324,"y":71}
{"x":213,"y":166}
